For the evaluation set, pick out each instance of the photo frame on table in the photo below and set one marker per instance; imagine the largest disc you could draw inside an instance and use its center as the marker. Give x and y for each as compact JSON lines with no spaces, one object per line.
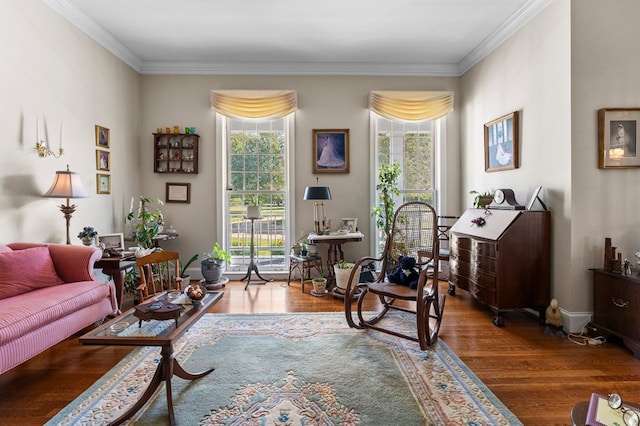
{"x":102,"y":137}
{"x":113,"y":242}
{"x":103,"y":183}
{"x":178,"y":193}
{"x":501,"y":143}
{"x":103,"y":160}
{"x":330,"y":150}
{"x":349,"y":224}
{"x":617,"y":138}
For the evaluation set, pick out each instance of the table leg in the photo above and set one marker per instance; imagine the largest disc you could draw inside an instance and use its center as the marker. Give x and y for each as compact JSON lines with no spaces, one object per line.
{"x":167,"y":367}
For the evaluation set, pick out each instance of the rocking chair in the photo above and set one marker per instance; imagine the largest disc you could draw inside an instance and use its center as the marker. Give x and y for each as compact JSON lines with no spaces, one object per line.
{"x":414,"y":232}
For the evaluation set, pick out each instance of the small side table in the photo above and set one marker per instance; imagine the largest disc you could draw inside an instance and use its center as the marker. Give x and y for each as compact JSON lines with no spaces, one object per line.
{"x":304,"y":265}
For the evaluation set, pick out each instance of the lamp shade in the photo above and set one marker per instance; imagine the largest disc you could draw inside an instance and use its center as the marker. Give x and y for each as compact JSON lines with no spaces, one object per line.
{"x":66,"y":185}
{"x":317,"y":193}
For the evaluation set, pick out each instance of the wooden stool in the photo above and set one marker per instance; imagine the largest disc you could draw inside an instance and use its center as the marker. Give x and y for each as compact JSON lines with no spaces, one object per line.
{"x":304,"y":265}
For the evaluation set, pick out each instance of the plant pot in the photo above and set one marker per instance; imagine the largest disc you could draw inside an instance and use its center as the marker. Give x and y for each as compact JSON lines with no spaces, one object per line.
{"x":186,"y":281}
{"x":212,"y":270}
{"x":319,"y":286}
{"x":484,"y":201}
{"x":88,"y":241}
{"x":342,"y":276}
{"x":312,"y":249}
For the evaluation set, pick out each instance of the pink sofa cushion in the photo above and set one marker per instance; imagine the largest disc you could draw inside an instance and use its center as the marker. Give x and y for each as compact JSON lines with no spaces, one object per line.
{"x":25,"y":270}
{"x":26,"y":312}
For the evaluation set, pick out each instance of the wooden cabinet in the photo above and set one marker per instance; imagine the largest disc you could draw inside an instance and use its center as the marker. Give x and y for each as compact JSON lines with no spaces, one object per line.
{"x":505,"y":262}
{"x":616,"y":307}
{"x":175,"y":153}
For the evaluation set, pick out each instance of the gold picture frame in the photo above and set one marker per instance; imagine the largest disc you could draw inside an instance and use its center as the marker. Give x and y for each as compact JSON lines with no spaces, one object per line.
{"x":103,"y":138}
{"x":103,"y":160}
{"x":501,"y":143}
{"x":617,"y":138}
{"x":330,"y":150}
{"x":103,"y":183}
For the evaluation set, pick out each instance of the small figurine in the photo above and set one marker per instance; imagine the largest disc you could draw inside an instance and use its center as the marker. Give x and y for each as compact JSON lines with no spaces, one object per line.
{"x":554,"y":319}
{"x":626,"y":268}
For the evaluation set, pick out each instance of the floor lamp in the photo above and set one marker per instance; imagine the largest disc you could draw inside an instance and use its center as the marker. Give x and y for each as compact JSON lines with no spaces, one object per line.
{"x":253,"y":213}
{"x":67,"y":185}
{"x":318,"y":194}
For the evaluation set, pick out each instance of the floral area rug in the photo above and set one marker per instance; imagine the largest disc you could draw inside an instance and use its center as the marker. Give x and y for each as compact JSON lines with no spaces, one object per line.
{"x":296,"y":369}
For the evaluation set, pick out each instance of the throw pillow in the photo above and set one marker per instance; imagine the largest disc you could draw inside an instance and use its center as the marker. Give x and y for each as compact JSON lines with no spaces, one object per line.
{"x":26,"y":270}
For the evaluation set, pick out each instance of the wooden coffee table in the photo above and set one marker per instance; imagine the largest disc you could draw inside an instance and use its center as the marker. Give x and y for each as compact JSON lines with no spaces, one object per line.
{"x":125,"y":330}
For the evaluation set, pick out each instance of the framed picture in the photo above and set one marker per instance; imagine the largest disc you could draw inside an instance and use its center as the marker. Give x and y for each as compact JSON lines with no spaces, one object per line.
{"x":103,"y":160}
{"x":501,"y":143}
{"x":102,"y":137}
{"x":617,"y":137}
{"x":349,"y":224}
{"x":331,"y":151}
{"x":114,"y":242}
{"x":178,"y":193}
{"x":103,"y":184}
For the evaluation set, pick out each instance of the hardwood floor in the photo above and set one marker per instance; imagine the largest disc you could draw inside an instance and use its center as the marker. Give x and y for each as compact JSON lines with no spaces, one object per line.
{"x":537,"y":376}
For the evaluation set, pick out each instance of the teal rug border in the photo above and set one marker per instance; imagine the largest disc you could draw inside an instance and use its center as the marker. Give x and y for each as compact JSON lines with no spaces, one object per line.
{"x":513,"y":420}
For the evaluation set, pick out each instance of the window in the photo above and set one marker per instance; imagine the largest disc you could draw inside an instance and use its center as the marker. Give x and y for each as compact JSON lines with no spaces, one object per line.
{"x":412,"y":144}
{"x":256,"y":169}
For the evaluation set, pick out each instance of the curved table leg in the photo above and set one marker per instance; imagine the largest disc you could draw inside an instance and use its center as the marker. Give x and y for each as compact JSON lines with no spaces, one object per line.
{"x":167,"y":367}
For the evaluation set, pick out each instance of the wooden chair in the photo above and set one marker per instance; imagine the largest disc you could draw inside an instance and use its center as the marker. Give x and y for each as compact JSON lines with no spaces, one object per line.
{"x":159,"y":271}
{"x":414,"y":230}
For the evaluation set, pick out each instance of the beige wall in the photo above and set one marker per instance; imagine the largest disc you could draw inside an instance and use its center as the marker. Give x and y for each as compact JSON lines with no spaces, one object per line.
{"x":324,"y":102}
{"x":529,"y":73}
{"x":52,"y":71}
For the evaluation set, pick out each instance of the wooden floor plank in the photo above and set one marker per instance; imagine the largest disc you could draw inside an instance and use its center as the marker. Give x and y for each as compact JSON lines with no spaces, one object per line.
{"x":538,"y":376}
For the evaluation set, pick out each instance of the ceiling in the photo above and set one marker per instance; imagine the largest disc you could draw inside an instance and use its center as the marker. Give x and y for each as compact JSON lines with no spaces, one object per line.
{"x":332,"y":37}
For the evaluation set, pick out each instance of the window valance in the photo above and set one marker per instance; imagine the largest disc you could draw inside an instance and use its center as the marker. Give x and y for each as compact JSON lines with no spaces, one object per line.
{"x":264,"y":104}
{"x":411,"y":105}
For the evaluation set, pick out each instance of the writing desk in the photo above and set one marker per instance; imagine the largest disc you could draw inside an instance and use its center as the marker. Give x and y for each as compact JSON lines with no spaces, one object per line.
{"x":335,"y":241}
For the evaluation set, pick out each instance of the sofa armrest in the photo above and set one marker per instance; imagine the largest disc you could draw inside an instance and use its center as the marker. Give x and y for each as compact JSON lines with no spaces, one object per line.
{"x":74,"y":263}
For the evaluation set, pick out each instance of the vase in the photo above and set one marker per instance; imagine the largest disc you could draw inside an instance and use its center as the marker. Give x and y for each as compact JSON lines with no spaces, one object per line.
{"x":87,"y":241}
{"x":212,"y":270}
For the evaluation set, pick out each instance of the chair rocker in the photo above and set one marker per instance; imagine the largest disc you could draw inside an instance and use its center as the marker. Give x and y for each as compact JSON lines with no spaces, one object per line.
{"x":414,"y":232}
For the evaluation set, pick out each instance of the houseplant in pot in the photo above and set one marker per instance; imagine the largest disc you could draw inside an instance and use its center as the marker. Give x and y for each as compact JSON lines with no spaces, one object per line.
{"x":186,"y":278}
{"x":481,"y":199}
{"x":342,"y":272}
{"x":213,"y":265}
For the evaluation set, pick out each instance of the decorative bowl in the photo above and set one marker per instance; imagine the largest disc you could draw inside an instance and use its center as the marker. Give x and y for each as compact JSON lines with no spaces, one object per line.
{"x":195,"y":292}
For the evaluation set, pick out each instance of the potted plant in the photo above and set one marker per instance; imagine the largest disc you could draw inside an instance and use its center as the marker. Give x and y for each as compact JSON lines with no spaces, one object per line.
{"x":387,"y":187}
{"x":147,"y":222}
{"x":186,"y":279}
{"x":212,"y":265}
{"x":481,"y":199}
{"x":342,"y":272}
{"x":88,"y":235}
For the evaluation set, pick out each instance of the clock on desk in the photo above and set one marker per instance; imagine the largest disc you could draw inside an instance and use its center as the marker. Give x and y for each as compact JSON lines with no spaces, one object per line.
{"x":505,"y":199}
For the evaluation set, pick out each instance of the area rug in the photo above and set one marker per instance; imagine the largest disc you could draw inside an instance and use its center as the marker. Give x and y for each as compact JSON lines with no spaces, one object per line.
{"x":296,"y":369}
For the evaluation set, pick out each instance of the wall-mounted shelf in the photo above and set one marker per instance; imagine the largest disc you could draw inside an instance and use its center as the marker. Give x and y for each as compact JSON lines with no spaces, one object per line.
{"x":175,"y":153}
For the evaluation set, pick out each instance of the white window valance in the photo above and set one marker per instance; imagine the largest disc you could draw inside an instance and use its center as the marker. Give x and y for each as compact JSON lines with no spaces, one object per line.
{"x":263,"y":104}
{"x":411,"y":105}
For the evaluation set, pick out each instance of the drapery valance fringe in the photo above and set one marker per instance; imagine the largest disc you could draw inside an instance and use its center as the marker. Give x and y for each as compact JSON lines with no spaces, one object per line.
{"x":411,"y":106}
{"x":263,"y":104}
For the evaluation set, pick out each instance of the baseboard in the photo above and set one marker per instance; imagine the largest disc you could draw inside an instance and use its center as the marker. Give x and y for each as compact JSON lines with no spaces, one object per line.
{"x":572,"y":322}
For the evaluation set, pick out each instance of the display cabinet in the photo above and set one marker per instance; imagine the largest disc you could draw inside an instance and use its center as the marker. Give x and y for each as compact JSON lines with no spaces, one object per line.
{"x":502,"y":258}
{"x":175,"y":153}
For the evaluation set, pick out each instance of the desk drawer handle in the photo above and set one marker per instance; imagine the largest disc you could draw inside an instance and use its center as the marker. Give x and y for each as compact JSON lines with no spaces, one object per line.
{"x":619,"y":303}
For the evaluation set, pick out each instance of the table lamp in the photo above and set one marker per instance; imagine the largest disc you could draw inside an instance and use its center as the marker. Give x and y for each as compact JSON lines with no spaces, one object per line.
{"x":67,"y":185}
{"x":318,"y":194}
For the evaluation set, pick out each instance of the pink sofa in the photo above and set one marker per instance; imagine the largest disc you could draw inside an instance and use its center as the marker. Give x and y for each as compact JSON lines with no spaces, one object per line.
{"x":48,"y":292}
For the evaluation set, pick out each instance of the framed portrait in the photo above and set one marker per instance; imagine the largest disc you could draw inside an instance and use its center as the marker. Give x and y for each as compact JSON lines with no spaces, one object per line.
{"x":103,"y":160}
{"x":113,"y":242}
{"x":617,"y":137}
{"x":349,"y":224}
{"x":178,"y":192}
{"x":331,"y":151}
{"x":501,"y":143}
{"x":103,"y":184}
{"x":102,"y":137}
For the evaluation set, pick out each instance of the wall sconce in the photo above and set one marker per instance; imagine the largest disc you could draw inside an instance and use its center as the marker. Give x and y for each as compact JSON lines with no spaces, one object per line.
{"x":66,"y":185}
{"x":42,"y":148}
{"x":318,"y":194}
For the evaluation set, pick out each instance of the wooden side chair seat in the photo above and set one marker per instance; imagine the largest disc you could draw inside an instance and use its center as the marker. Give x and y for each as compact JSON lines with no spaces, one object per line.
{"x":414,"y":233}
{"x":159,"y":271}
